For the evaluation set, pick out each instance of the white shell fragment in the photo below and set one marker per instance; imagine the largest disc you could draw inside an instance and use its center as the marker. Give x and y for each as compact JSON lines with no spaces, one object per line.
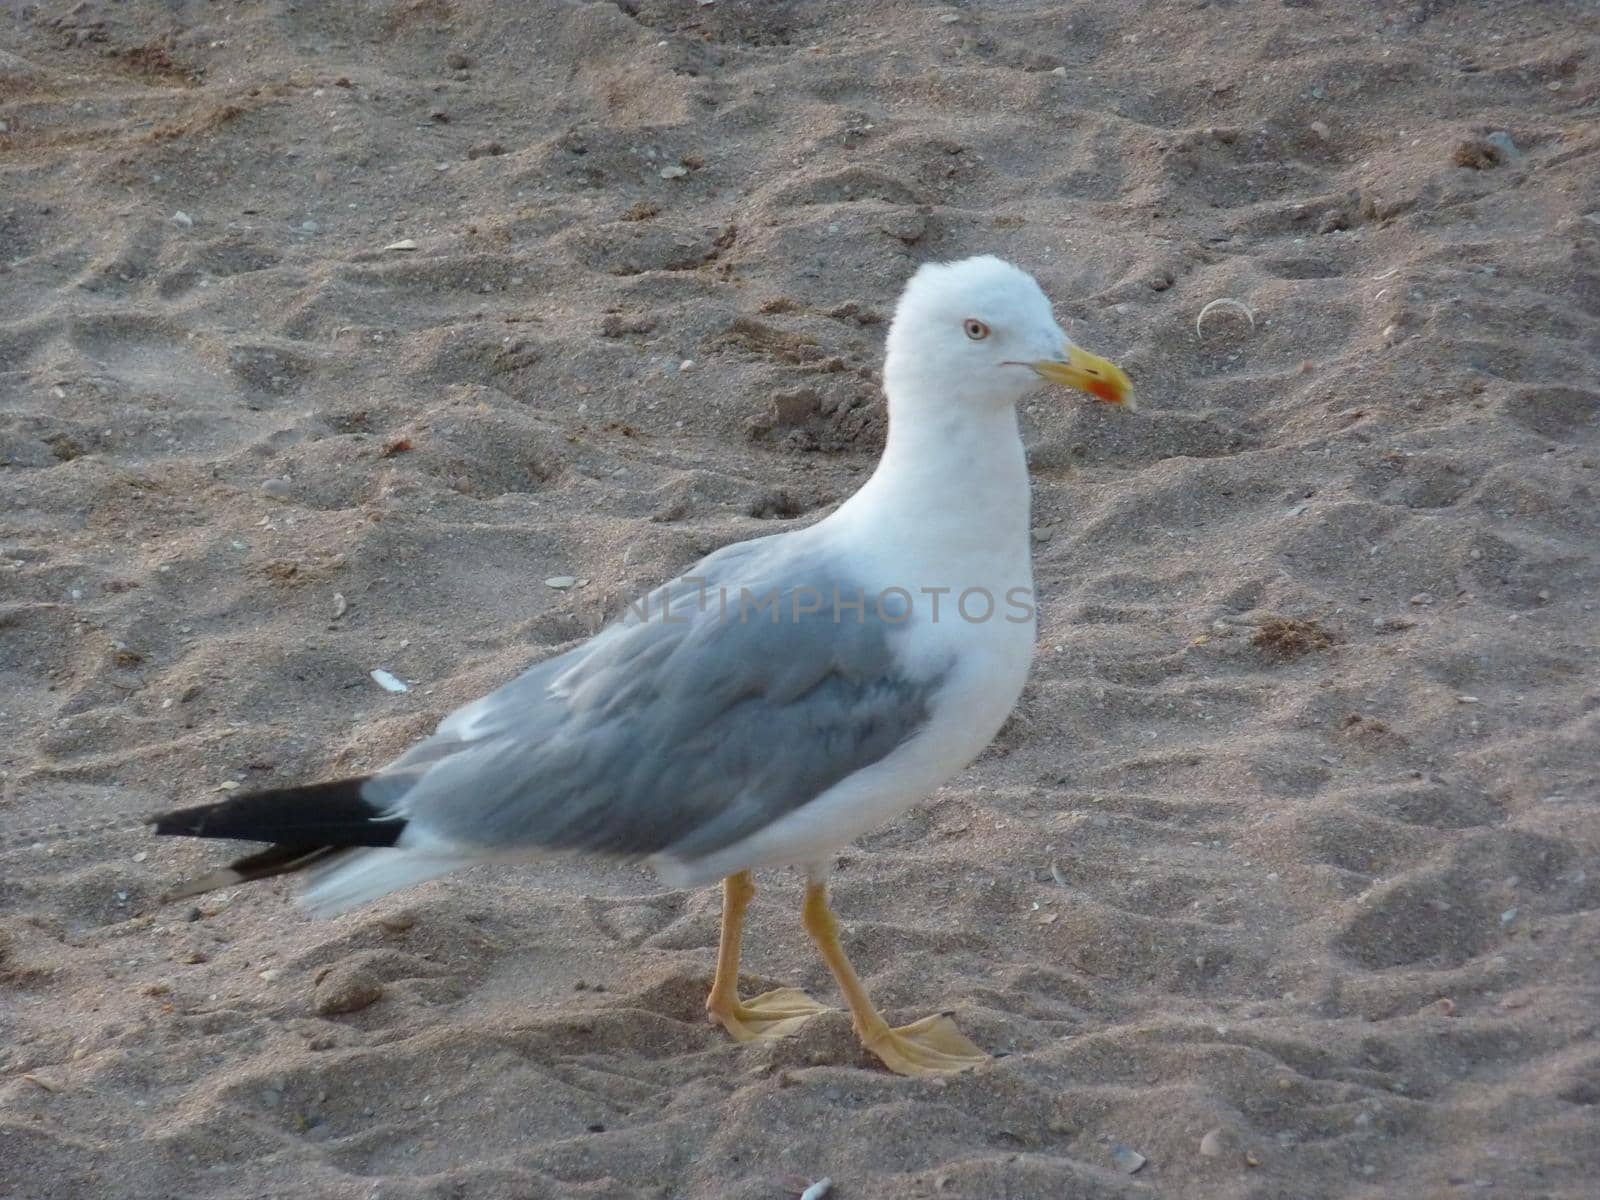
{"x":818,"y":1190}
{"x":1223,"y":302}
{"x":402,"y":244}
{"x":388,"y":682}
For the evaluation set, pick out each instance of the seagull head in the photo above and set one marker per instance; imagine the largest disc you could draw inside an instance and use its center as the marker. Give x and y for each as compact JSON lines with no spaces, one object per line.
{"x":981,"y":332}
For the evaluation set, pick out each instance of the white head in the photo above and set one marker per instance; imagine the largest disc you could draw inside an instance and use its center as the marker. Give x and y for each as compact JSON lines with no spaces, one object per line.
{"x":980,"y":333}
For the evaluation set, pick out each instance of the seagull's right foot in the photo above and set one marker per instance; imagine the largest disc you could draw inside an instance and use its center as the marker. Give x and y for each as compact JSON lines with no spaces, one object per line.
{"x":773,"y":1014}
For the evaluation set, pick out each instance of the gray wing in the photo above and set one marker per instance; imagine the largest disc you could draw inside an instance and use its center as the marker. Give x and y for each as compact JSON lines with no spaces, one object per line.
{"x":694,"y":722}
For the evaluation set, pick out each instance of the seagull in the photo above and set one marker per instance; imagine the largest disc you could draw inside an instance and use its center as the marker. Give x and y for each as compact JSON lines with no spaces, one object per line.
{"x":779,"y":699}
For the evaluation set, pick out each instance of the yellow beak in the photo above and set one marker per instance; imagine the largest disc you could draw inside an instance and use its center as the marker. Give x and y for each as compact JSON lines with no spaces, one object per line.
{"x":1090,"y":373}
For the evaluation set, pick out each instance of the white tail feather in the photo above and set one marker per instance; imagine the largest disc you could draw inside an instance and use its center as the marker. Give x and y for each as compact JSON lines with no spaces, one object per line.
{"x":353,"y":879}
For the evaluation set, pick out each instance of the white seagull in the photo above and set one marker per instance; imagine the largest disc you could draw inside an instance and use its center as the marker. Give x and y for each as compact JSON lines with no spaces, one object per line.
{"x":781,"y":698}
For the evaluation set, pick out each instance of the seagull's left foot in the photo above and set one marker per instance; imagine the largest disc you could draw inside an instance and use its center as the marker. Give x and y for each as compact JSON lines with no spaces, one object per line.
{"x":931,"y":1046}
{"x":773,"y":1014}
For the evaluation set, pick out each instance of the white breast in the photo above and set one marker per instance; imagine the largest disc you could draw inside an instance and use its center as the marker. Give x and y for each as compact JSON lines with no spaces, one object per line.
{"x":979,"y":651}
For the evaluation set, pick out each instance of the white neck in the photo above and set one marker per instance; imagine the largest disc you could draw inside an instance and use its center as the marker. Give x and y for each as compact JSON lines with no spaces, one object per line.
{"x":950,"y":494}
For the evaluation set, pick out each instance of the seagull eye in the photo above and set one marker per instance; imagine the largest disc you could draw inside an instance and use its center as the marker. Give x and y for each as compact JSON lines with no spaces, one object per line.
{"x":976,"y":329}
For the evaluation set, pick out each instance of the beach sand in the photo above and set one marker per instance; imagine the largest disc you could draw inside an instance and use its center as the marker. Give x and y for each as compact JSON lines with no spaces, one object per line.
{"x":1282,"y":879}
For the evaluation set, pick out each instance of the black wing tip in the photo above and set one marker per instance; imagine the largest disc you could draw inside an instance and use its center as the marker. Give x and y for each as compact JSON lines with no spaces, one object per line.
{"x":332,"y":814}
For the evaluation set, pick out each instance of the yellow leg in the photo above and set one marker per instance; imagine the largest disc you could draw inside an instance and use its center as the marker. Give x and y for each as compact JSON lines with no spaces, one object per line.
{"x":931,"y":1046}
{"x":772,"y":1014}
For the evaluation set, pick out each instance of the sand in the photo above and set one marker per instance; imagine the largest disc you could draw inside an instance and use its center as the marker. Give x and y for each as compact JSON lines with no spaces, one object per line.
{"x":1282,"y":881}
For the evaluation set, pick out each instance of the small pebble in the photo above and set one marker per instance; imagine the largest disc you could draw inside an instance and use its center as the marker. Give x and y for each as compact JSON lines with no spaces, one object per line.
{"x":182,"y":218}
{"x":402,"y":244}
{"x":346,"y":989}
{"x":1127,"y":1159}
{"x":1213,"y":1145}
{"x":398,"y":922}
{"x":818,"y":1190}
{"x":278,"y":489}
{"x":562,"y":583}
{"x":1501,"y":141}
{"x":675,"y":171}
